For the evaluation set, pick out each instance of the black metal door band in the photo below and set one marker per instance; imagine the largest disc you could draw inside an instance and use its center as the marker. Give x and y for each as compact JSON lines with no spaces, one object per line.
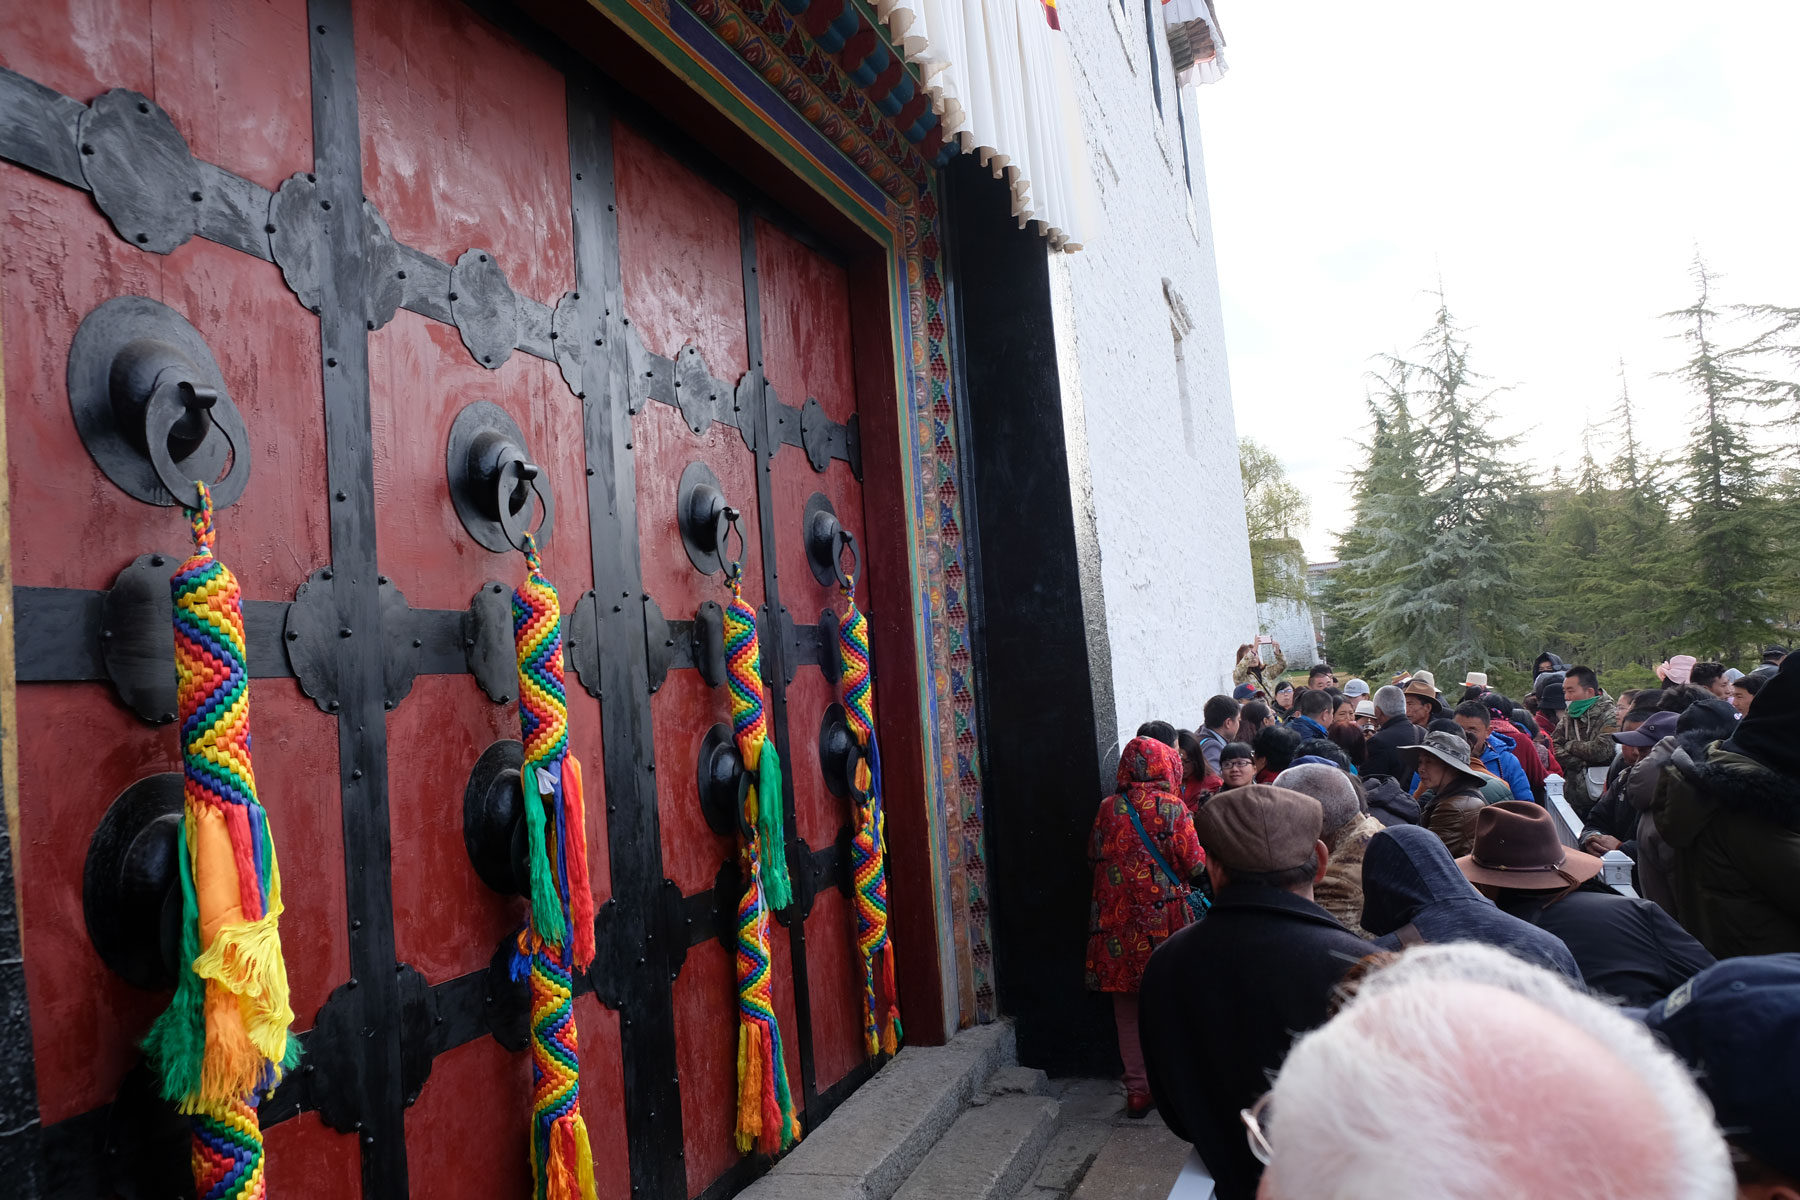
{"x":780,"y":675}
{"x":372,"y":997}
{"x":653,"y":1126}
{"x":40,"y":129}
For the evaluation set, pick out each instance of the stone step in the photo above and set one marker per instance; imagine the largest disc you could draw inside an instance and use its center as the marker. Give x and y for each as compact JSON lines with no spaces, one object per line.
{"x":1014,"y":1081}
{"x":880,"y":1135}
{"x":988,"y":1154}
{"x":1140,"y":1161}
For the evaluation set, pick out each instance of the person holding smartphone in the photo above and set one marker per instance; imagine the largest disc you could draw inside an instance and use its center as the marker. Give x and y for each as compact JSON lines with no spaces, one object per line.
{"x":1253,"y":668}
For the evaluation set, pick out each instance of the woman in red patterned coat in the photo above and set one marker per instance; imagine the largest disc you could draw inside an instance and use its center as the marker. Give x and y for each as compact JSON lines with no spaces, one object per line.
{"x":1136,"y":905}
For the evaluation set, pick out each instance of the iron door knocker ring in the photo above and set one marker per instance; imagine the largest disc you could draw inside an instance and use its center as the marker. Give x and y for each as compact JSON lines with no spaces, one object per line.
{"x":845,"y":540}
{"x":515,"y":522}
{"x":174,"y":399}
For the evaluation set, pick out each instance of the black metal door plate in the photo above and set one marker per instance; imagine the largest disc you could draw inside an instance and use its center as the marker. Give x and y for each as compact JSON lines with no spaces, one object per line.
{"x":704,"y":517}
{"x":134,"y":365}
{"x":722,"y":780}
{"x":494,"y":480}
{"x":130,"y":886}
{"x":827,"y":541}
{"x":493,"y":829}
{"x":838,"y":752}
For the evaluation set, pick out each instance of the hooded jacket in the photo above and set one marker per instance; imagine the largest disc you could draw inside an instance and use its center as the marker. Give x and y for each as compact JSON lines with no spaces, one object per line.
{"x":1389,"y":802}
{"x":1734,"y":827}
{"x":1526,"y":751}
{"x":1497,"y":756}
{"x":1410,"y":880}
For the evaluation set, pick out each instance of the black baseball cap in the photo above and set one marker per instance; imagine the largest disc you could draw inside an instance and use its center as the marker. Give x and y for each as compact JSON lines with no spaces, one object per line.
{"x":1655,"y":729}
{"x":1737,"y":1024}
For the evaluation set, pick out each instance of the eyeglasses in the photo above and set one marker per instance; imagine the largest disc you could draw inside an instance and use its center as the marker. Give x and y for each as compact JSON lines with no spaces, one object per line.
{"x":1253,"y":1130}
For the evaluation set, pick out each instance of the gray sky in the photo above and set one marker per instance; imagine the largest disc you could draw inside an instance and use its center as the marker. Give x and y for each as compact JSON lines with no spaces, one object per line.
{"x":1556,"y":164}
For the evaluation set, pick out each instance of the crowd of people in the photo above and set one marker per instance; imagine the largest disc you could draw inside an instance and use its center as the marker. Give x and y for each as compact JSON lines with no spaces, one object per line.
{"x":1352,"y":952}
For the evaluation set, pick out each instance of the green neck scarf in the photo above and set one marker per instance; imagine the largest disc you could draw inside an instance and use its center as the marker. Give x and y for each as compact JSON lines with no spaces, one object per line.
{"x":1578,"y":708}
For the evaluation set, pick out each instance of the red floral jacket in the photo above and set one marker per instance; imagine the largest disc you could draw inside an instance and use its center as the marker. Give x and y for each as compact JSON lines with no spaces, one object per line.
{"x":1135,"y":908}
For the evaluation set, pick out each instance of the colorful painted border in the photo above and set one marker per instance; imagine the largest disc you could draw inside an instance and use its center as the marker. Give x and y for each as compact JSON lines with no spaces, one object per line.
{"x":760,"y":65}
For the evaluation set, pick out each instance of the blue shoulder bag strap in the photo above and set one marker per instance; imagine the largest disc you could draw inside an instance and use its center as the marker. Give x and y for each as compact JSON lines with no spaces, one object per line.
{"x":1197,"y":904}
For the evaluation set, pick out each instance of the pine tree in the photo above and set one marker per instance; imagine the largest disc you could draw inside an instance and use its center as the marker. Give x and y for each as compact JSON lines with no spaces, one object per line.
{"x":1572,"y":609}
{"x":1729,"y":525}
{"x":1444,"y":583}
{"x":1775,"y":351}
{"x":1774,"y":354}
{"x":1632,"y":589}
{"x":1376,"y":542}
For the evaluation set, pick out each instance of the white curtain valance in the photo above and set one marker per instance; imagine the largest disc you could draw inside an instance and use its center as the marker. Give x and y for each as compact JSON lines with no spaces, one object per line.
{"x":1000,"y":81}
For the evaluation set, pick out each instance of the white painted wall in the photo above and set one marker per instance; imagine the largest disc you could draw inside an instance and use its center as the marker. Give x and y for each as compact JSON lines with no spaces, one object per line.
{"x":1167,"y":501}
{"x":1291,"y":625}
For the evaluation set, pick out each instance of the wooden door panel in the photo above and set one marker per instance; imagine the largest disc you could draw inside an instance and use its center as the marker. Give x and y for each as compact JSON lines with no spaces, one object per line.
{"x":805,"y":309}
{"x":465,"y":141}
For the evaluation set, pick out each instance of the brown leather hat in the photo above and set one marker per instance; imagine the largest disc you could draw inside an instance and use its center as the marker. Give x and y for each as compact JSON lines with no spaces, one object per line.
{"x":1425,"y":690}
{"x":1516,"y":847}
{"x":1260,"y":829}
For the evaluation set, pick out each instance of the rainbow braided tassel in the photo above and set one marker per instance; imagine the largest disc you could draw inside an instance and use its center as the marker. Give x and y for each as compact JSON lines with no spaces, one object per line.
{"x":868,"y":847}
{"x":766,"y":1119}
{"x":743,"y":658}
{"x":224,"y":1039}
{"x":228,"y":1154}
{"x":558,"y":938}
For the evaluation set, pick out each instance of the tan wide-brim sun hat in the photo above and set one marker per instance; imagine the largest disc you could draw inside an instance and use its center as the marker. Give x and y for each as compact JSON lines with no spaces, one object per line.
{"x":1443,"y":747}
{"x":1516,"y":847}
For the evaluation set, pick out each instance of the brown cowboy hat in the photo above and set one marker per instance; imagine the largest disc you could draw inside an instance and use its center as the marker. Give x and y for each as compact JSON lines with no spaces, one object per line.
{"x":1425,"y":690}
{"x":1448,"y":748}
{"x":1516,"y":847}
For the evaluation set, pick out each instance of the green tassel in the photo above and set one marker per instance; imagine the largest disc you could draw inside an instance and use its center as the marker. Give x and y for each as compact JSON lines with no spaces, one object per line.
{"x":176,"y":1043}
{"x":546,"y":906}
{"x":771,"y":831}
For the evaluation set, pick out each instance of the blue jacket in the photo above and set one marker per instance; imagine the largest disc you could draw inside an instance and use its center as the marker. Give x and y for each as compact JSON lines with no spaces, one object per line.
{"x":1409,"y":878}
{"x":1498,"y":757}
{"x":1306,"y":727}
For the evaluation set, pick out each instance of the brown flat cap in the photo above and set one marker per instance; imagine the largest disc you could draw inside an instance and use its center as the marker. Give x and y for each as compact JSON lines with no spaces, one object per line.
{"x":1260,"y":828}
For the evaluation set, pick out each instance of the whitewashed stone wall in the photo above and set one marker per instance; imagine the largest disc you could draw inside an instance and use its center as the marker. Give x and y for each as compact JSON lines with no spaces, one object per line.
{"x":1291,"y":625}
{"x":1162,"y":492}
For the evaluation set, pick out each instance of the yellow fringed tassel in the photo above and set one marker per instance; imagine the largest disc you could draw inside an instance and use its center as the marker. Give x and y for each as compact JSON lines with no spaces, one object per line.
{"x":584,"y":1159}
{"x":245,"y":959}
{"x":749,"y":1109}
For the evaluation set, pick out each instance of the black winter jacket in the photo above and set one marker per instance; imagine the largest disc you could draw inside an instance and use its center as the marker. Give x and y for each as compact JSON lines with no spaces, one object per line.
{"x":1221,"y":1004}
{"x":1734,"y":825}
{"x":1384,"y":747}
{"x":1627,"y":948}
